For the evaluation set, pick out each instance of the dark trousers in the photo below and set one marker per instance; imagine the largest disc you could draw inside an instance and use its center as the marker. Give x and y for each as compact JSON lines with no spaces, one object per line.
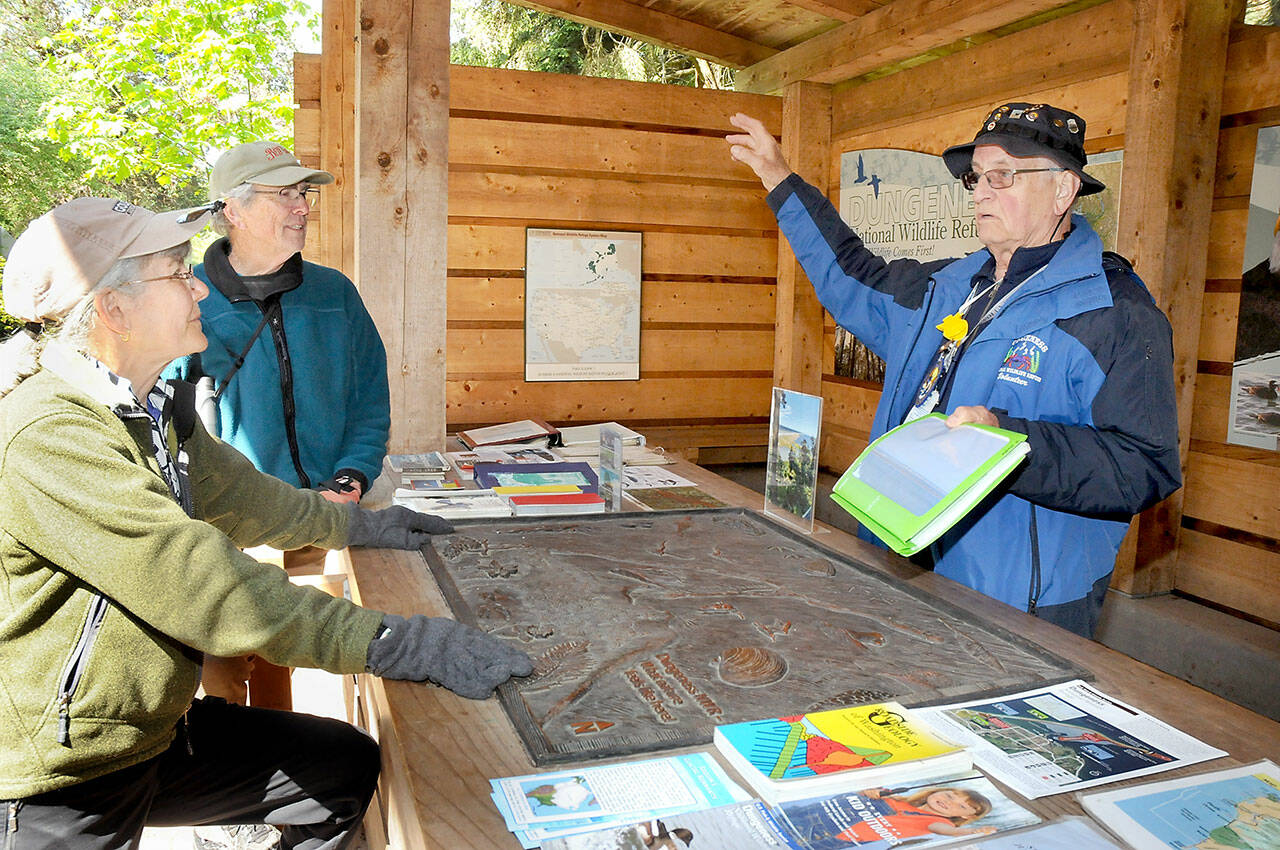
{"x":1079,"y":615}
{"x":311,"y":776}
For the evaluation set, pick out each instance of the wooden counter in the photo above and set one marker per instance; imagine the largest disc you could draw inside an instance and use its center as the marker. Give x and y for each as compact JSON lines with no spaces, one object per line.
{"x":439,"y":751}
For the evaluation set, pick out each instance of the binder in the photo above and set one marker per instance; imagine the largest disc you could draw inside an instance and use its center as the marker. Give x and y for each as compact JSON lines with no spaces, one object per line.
{"x":919,"y":479}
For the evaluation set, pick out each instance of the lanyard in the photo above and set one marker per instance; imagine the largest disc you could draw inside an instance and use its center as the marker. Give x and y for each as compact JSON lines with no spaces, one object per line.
{"x":956,"y":332}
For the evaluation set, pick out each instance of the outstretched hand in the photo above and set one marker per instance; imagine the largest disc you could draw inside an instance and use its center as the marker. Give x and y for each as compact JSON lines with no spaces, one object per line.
{"x":757,"y":147}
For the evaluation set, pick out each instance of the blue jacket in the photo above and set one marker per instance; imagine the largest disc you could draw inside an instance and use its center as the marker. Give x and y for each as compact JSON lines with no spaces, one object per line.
{"x":341,"y":405}
{"x":1079,"y":359}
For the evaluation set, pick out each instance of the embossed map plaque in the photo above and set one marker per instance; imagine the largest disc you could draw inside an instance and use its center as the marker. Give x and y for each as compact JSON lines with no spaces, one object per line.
{"x":647,"y":630}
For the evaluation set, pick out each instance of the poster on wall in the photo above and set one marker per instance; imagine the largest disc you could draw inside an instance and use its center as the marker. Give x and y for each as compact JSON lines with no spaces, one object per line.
{"x":581,"y":305}
{"x":1255,"y":373}
{"x":902,"y":204}
{"x":907,"y":204}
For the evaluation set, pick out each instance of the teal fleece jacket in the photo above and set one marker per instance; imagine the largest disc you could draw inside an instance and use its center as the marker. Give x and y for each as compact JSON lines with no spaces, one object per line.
{"x":109,"y":592}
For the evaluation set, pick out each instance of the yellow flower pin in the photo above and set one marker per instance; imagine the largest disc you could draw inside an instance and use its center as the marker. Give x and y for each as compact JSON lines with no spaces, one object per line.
{"x":954,"y":327}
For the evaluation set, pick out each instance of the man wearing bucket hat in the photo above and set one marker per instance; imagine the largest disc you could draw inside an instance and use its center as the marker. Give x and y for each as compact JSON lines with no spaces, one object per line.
{"x":1041,"y":332}
{"x":121,"y":527}
{"x":298,"y":368}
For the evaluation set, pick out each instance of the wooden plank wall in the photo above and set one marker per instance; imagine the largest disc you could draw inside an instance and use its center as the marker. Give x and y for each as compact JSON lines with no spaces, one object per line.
{"x":1229,"y":549}
{"x":542,"y":150}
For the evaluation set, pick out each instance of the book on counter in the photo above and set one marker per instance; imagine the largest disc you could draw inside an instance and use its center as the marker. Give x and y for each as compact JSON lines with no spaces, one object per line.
{"x":539,"y":504}
{"x":541,"y":806}
{"x":1064,"y":737}
{"x":1236,"y":807}
{"x":464,"y":462}
{"x":919,"y":479}
{"x":860,"y":746}
{"x":524,"y":431}
{"x":457,"y":506}
{"x":427,"y":464}
{"x":589,"y":435}
{"x":576,"y":473}
{"x":938,"y":810}
{"x":429,"y":487}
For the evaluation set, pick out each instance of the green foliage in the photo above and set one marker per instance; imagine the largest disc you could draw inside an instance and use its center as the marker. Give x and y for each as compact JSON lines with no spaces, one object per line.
{"x":496,"y":34}
{"x":149,"y":89}
{"x":34,"y":177}
{"x":796,"y":475}
{"x":8,"y":324}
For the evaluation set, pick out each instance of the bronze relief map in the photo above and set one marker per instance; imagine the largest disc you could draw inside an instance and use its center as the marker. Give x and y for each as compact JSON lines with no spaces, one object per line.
{"x":648,"y":630}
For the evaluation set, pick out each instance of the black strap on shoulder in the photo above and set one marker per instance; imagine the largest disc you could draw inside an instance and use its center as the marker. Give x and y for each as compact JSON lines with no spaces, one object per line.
{"x":184,"y":408}
{"x":1113,"y":262}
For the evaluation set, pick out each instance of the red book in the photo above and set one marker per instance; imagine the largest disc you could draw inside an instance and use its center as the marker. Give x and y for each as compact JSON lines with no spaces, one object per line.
{"x":556,"y":503}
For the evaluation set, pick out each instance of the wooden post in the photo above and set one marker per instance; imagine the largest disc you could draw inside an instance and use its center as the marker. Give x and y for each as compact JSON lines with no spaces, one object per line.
{"x":806,"y":142}
{"x":337,"y":133}
{"x":1176,"y":69}
{"x":402,"y":126}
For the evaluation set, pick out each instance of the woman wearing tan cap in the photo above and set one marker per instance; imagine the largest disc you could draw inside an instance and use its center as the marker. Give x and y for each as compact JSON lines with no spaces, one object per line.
{"x":121,"y":522}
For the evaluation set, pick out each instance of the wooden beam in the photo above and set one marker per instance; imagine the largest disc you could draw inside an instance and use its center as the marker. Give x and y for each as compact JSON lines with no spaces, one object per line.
{"x":901,"y":30}
{"x":657,"y":27}
{"x":401,"y":208}
{"x":1177,"y":63}
{"x":840,"y":10}
{"x":806,"y":143}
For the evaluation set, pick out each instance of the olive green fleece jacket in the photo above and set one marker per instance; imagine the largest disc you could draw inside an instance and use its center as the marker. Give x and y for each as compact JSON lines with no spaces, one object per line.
{"x":85,"y":515}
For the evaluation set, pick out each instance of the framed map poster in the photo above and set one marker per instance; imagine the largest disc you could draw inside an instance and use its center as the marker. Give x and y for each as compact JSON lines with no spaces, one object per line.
{"x":581,"y":305}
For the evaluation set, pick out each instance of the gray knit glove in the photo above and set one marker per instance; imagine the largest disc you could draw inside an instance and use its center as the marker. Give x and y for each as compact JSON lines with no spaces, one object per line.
{"x":461,"y":658}
{"x":396,"y":527}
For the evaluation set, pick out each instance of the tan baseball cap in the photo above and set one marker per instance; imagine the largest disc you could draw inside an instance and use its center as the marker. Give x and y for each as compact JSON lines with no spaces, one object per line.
{"x":264,"y":163}
{"x":65,"y":252}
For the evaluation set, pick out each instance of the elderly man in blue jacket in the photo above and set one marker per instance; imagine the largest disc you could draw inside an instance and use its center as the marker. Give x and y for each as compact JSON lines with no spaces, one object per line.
{"x":1041,"y":332}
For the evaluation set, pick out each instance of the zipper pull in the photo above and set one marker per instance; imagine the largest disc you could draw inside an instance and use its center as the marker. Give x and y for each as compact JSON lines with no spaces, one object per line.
{"x":186,"y":733}
{"x":64,"y":720}
{"x":13,"y":817}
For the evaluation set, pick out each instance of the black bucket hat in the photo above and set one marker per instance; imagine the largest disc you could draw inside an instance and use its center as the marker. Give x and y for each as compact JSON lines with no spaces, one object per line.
{"x":1030,"y":129}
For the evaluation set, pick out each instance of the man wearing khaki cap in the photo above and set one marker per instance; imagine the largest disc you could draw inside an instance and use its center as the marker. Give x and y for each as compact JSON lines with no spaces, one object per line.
{"x":298,"y":367}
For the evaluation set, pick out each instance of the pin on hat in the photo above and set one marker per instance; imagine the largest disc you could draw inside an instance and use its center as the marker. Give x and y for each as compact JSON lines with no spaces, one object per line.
{"x":264,"y":163}
{"x":65,"y":252}
{"x":1030,"y":129}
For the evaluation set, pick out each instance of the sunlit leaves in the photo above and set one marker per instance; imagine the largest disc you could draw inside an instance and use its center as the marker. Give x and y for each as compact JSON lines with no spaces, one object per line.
{"x":155,"y":88}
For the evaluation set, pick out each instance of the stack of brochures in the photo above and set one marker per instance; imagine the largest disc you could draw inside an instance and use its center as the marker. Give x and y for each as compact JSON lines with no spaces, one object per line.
{"x":933,"y":810}
{"x":916,"y":481}
{"x":861,"y":746}
{"x":539,"y":807}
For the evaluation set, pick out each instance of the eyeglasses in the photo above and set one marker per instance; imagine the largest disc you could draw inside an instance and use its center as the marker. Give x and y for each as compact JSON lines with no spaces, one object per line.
{"x":186,"y":277}
{"x":997,"y":178}
{"x":195,"y":213}
{"x":292,"y":194}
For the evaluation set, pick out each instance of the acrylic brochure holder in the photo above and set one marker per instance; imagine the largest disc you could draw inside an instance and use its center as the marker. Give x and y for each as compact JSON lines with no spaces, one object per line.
{"x":791,"y":475}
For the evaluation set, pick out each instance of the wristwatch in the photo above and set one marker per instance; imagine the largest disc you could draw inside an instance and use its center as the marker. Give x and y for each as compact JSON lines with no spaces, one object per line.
{"x":340,"y":484}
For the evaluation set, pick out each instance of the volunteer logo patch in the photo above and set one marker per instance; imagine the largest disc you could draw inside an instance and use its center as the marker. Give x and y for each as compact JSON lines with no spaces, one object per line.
{"x":1022,"y":363}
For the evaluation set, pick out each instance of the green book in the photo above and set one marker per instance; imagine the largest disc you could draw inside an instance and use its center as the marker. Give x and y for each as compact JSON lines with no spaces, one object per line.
{"x":917,"y":480}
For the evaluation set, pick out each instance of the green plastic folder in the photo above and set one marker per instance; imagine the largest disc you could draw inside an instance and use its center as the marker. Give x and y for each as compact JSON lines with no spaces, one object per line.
{"x":916,"y":481}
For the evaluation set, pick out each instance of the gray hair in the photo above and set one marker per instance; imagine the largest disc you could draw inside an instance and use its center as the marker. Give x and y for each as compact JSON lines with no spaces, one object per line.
{"x":20,"y":353}
{"x":220,"y":225}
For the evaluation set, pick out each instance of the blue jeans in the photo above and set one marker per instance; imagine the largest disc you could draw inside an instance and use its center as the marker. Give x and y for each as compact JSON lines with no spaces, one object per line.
{"x":311,"y":776}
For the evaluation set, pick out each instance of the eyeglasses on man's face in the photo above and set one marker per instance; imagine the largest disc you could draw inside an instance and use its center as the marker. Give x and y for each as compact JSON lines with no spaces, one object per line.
{"x":293,"y":194}
{"x":998,"y":178}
